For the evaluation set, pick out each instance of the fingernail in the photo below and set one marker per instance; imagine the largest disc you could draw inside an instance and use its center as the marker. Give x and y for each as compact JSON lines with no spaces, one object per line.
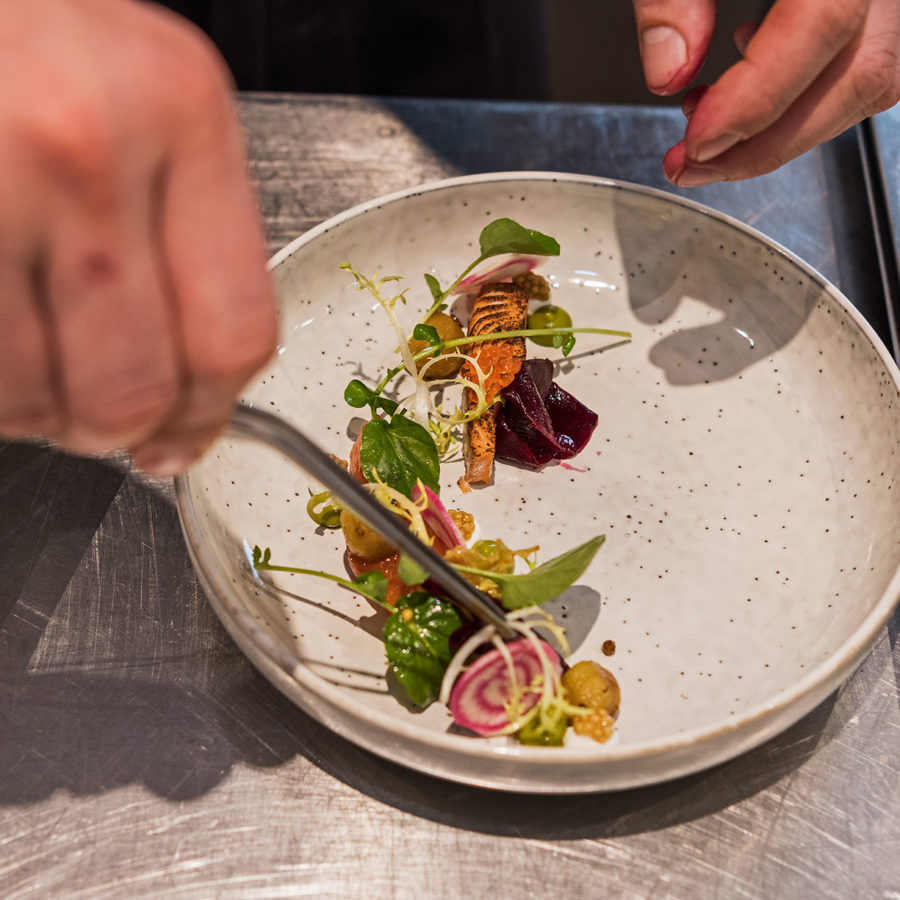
{"x":663,"y":53}
{"x":695,"y":176}
{"x":742,"y":35}
{"x":712,"y":148}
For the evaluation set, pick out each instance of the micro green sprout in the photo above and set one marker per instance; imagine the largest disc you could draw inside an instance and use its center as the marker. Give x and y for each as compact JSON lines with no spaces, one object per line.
{"x":496,"y":238}
{"x":370,"y":584}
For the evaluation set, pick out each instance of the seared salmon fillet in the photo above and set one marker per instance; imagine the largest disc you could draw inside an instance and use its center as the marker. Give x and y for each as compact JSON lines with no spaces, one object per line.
{"x":499,"y":306}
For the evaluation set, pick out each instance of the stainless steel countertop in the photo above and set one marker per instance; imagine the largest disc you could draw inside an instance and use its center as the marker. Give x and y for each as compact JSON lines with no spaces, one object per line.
{"x":141,"y":755}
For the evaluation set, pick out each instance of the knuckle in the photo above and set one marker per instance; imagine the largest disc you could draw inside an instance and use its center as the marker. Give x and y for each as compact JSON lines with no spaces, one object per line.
{"x":239,"y":346}
{"x":838,"y":23}
{"x":38,"y":416}
{"x":28,"y":402}
{"x":876,"y":85}
{"x":134,"y":401}
{"x":73,"y":138}
{"x":197,"y":77}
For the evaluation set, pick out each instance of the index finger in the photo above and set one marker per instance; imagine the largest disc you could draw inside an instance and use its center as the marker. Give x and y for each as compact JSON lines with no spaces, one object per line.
{"x":795,"y":42}
{"x":215,"y":256}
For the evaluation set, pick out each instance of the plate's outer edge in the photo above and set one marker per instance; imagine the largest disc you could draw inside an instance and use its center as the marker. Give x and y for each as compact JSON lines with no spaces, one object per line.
{"x":490,"y":767}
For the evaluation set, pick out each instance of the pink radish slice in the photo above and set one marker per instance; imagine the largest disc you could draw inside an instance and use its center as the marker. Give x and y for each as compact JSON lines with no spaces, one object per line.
{"x":437,"y":518}
{"x":478,"y":696}
{"x":505,"y":271}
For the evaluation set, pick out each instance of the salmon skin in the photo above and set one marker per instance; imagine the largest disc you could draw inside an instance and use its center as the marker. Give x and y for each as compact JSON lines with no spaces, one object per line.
{"x":499,"y":306}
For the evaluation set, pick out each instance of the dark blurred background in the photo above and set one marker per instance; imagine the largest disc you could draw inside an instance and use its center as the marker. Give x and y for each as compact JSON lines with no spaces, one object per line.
{"x":559,"y":50}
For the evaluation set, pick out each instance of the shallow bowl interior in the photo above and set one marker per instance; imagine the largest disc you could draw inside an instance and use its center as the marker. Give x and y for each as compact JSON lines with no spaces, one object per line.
{"x":744,"y":471}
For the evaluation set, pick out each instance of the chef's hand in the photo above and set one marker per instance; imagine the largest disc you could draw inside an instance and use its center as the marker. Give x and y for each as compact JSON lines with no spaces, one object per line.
{"x":134,"y":301}
{"x":810,"y":70}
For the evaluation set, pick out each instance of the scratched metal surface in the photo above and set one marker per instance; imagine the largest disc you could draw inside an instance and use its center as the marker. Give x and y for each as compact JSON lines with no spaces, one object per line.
{"x":141,"y":755}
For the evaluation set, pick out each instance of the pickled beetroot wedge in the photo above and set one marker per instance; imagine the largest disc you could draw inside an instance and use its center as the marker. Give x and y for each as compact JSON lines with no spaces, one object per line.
{"x":539,"y":421}
{"x":479,"y":694}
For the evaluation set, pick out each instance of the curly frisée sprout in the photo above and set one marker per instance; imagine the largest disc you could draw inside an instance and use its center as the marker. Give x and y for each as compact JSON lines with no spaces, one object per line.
{"x":551,"y":708}
{"x":397,"y":502}
{"x":374,"y":285}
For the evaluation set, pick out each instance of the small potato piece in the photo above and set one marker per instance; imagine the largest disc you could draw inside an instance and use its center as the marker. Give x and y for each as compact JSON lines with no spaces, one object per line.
{"x":448,"y":329}
{"x":362,"y":540}
{"x":589,"y":684}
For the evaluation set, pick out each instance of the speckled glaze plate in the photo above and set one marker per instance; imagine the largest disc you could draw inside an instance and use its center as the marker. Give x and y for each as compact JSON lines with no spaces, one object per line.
{"x":744,"y":471}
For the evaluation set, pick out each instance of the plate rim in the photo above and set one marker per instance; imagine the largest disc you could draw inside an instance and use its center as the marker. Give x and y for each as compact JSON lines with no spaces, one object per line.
{"x":817,"y":683}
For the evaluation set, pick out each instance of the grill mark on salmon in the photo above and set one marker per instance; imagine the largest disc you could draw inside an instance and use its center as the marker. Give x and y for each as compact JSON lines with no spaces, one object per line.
{"x":500,"y":306}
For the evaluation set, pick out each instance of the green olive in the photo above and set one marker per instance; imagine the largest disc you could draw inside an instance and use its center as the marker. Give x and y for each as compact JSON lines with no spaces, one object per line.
{"x":362,"y":540}
{"x":448,"y":329}
{"x":548,"y":316}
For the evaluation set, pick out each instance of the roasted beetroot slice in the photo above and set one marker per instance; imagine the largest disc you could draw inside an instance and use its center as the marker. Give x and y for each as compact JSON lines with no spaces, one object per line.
{"x":480,"y":695}
{"x":523,"y":399}
{"x":539,"y":421}
{"x":525,"y":449}
{"x":573,"y":422}
{"x":541,"y":373}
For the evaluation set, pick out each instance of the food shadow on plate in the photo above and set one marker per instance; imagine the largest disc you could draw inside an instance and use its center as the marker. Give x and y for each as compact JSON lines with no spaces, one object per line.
{"x":722,"y":299}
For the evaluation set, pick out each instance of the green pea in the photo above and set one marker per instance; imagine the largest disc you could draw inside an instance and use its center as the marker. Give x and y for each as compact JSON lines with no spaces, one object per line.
{"x":549,"y":316}
{"x":485,"y":547}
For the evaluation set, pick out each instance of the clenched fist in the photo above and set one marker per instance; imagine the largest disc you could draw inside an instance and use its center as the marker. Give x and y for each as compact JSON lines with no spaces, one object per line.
{"x":134,"y":301}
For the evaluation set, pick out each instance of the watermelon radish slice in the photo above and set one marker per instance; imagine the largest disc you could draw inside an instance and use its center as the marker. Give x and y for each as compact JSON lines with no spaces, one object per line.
{"x":478,"y":696}
{"x":437,"y":518}
{"x":504,"y":271}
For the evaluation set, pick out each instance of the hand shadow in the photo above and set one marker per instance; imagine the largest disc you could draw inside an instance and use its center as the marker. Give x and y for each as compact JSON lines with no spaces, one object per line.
{"x":725,"y":300}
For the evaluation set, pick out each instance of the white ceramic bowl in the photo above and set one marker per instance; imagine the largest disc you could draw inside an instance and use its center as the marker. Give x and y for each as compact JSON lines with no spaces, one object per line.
{"x":745,"y":472}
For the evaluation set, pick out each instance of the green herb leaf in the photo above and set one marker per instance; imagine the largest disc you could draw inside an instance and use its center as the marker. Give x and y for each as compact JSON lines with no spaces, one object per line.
{"x":568,"y":345}
{"x":426,"y":333}
{"x":434,"y":286}
{"x":417,"y":641}
{"x":372,"y":584}
{"x":389,"y":406}
{"x":261,"y":558}
{"x":547,"y":580}
{"x":507,"y":236}
{"x":356,"y":394}
{"x":410,"y":571}
{"x":400,"y":452}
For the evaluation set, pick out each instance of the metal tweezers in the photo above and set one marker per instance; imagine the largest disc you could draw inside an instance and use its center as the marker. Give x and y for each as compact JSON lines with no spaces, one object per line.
{"x":248,"y":422}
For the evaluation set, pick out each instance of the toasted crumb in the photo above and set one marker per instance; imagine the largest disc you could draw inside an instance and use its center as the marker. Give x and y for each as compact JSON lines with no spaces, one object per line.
{"x":536,"y":286}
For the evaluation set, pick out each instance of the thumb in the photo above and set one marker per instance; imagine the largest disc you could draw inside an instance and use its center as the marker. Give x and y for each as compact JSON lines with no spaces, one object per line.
{"x":673,"y":36}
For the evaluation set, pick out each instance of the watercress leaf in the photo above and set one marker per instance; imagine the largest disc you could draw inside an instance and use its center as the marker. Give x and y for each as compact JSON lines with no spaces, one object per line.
{"x":427,"y":333}
{"x":388,"y":405}
{"x":417,"y":641}
{"x":399,"y":452}
{"x":545,"y":581}
{"x":568,"y":345}
{"x":434,"y":286}
{"x":508,"y":236}
{"x":356,"y":394}
{"x":372,"y":584}
{"x":410,"y":571}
